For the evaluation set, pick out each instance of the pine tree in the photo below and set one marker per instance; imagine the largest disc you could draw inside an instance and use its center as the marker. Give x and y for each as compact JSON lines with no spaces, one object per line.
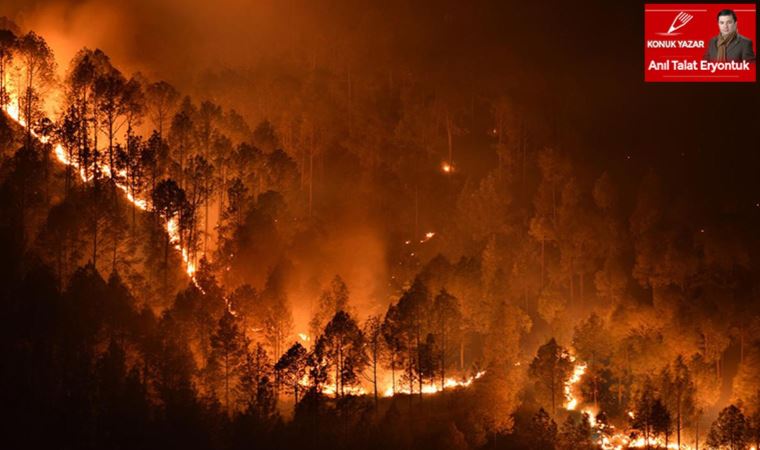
{"x":448,"y":319}
{"x":550,"y":368}
{"x":543,"y":431}
{"x":729,"y":430}
{"x":575,"y":436}
{"x":256,"y":387}
{"x":373,"y":333}
{"x":291,"y":368}
{"x":332,"y":300}
{"x":228,"y":352}
{"x":662,"y":423}
{"x":343,"y":347}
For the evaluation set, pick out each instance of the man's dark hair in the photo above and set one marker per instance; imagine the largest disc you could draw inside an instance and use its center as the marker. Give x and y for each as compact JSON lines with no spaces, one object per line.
{"x":727,"y":12}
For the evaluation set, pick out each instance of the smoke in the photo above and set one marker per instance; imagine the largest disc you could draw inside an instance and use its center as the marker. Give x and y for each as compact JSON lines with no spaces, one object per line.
{"x":353,"y":252}
{"x":170,"y":39}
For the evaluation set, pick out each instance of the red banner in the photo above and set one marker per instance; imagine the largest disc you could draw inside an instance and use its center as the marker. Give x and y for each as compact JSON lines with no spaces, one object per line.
{"x":690,"y":42}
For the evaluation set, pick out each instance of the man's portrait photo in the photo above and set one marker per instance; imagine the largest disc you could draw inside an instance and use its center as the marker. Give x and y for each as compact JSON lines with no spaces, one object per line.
{"x":729,"y":45}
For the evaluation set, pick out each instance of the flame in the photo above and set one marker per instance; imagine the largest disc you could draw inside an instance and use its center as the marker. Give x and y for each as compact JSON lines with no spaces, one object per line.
{"x":12,"y":110}
{"x":448,"y":383}
{"x":447,"y":167}
{"x":609,"y":439}
{"x":429,"y":235}
{"x":571,"y":402}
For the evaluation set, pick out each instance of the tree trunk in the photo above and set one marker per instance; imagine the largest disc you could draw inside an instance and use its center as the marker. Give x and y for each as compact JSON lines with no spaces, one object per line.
{"x":350,"y":103}
{"x":443,"y":357}
{"x":580,"y":287}
{"x":416,"y":214}
{"x":205,"y":219}
{"x":449,"y":136}
{"x":166,"y":263}
{"x":393,"y":372}
{"x":95,"y":244}
{"x":552,"y":396}
{"x":311,"y":180}
{"x":374,"y":371}
{"x":543,"y":261}
{"x":227,"y":382}
{"x":678,"y":419}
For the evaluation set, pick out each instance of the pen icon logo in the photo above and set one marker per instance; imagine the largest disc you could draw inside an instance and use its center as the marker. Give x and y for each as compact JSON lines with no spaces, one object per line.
{"x":679,"y":21}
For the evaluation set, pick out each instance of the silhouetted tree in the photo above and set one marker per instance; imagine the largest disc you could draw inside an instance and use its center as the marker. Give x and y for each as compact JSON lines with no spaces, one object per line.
{"x":109,"y":95}
{"x":543,"y":430}
{"x":181,"y":137}
{"x":291,"y":368}
{"x":373,"y":334}
{"x":7,"y":47}
{"x":38,"y":65}
{"x":448,"y":319}
{"x":575,"y":436}
{"x":168,"y":201}
{"x":161,"y":99}
{"x":550,"y":368}
{"x":729,"y":430}
{"x":228,"y":353}
{"x":332,"y":300}
{"x":343,"y":349}
{"x":662,"y":423}
{"x":256,"y":387}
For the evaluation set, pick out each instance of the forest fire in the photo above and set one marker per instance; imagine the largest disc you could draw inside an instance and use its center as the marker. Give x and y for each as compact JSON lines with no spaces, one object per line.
{"x":171,"y":227}
{"x":571,"y":401}
{"x":434,"y":388}
{"x":607,"y":438}
{"x":327,"y":225}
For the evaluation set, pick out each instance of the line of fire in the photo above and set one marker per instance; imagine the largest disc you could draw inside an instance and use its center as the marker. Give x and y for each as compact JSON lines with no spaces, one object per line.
{"x":350,"y":225}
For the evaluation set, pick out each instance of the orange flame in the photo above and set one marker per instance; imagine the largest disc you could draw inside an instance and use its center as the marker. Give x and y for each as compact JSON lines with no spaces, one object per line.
{"x":170,"y":226}
{"x":609,"y":439}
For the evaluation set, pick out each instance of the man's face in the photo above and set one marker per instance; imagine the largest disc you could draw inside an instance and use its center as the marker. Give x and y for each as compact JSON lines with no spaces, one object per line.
{"x":727,"y":24}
